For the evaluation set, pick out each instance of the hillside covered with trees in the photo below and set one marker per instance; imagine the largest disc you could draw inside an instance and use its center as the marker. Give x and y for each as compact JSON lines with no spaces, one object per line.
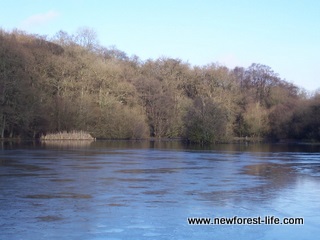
{"x":70,"y":82}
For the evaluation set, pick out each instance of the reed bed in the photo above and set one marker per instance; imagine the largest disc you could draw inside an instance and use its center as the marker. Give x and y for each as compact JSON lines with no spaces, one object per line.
{"x":73,"y":135}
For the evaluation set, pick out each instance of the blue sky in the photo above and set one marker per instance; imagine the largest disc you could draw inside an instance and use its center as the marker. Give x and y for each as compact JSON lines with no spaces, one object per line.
{"x":282,"y":34}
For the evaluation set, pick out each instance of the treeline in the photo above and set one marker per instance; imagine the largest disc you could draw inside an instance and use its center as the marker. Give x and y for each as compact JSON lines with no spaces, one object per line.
{"x":70,"y":82}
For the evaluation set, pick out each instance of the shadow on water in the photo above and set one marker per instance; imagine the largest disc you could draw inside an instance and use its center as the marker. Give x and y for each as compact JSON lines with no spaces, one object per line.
{"x":159,"y":144}
{"x":258,"y":147}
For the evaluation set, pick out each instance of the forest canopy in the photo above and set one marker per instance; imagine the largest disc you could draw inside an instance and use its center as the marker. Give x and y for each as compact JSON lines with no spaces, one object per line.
{"x":70,"y":82}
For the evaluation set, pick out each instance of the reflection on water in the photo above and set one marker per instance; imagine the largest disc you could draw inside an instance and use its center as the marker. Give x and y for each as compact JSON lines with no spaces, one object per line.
{"x":147,"y":190}
{"x":67,"y":143}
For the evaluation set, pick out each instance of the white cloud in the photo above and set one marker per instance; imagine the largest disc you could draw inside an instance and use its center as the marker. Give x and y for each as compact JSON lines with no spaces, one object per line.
{"x":37,"y":20}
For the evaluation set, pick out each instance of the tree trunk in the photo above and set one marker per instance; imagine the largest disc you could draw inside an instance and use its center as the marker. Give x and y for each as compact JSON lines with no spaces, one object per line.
{"x":3,"y":126}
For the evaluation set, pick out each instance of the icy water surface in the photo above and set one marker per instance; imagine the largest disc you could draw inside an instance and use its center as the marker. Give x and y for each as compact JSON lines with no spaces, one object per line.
{"x":107,"y":190}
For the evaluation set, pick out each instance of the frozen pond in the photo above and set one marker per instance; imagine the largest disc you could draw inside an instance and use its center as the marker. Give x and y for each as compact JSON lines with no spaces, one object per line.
{"x":125,"y":190}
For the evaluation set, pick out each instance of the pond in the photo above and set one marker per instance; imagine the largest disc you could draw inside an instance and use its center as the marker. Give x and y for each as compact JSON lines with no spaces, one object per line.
{"x":151,"y":190}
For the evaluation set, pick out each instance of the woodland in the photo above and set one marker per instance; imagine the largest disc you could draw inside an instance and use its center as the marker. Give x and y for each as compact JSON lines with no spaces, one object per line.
{"x":69,"y":82}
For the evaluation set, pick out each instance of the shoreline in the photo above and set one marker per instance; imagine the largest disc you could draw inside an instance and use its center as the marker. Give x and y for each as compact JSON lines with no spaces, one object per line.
{"x":235,"y":140}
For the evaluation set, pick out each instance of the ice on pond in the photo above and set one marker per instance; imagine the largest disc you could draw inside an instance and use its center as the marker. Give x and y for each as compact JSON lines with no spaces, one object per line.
{"x":103,"y":192}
